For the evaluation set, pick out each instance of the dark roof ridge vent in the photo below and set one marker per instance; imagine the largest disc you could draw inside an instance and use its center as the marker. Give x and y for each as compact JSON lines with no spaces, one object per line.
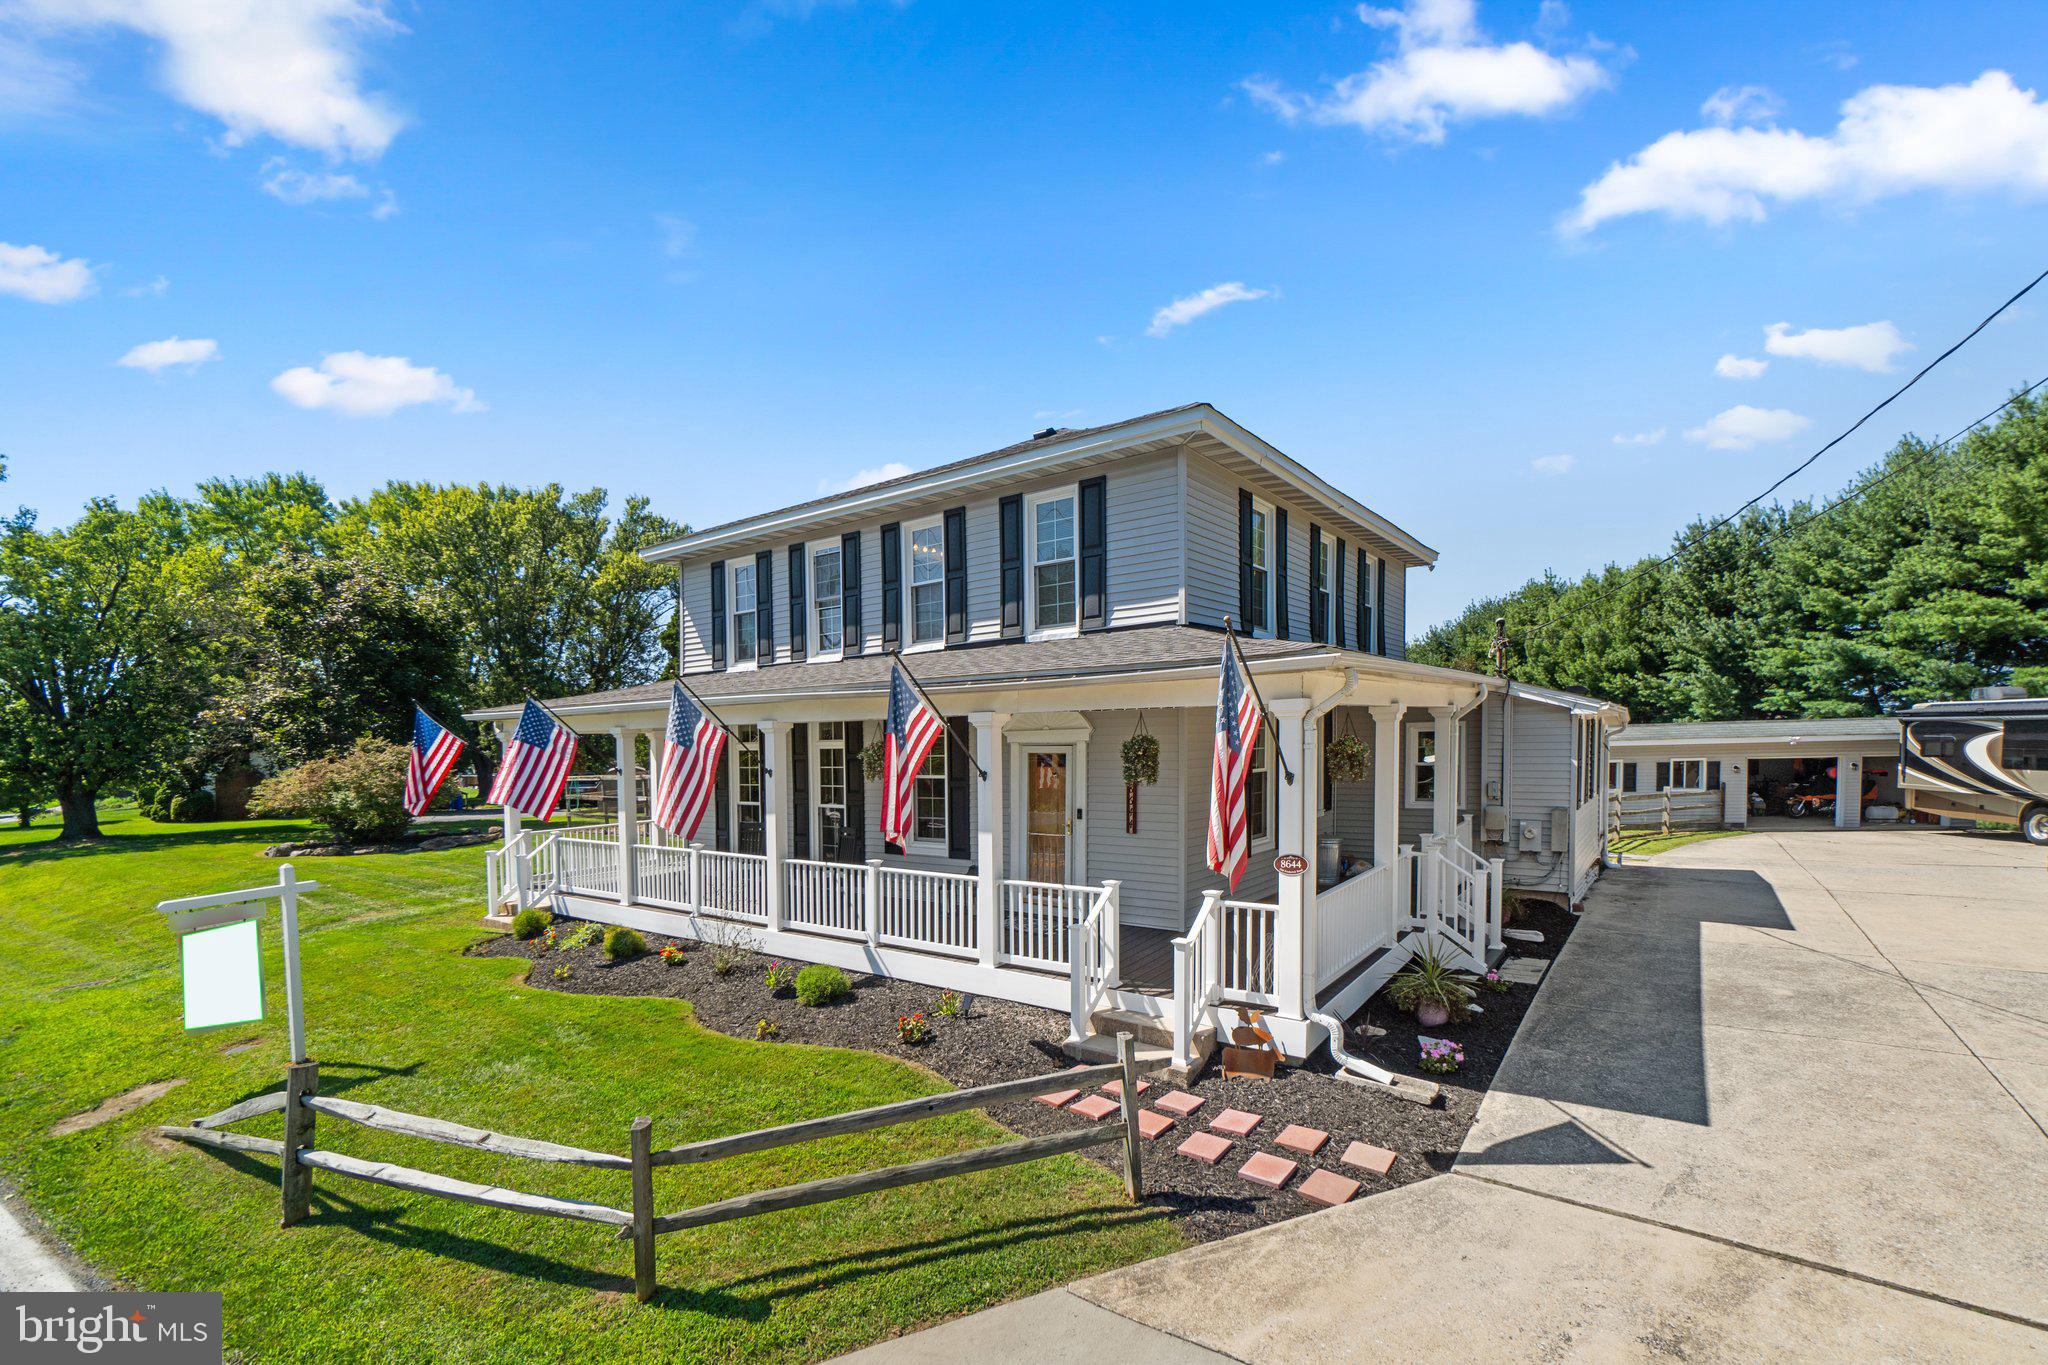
{"x":1048,"y":433}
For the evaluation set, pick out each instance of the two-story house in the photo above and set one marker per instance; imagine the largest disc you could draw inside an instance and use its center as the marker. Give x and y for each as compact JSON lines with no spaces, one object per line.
{"x":1057,"y":598}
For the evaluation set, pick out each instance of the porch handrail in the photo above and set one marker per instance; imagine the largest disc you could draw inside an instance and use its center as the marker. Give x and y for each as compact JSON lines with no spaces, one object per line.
{"x":1247,"y":935}
{"x":1039,"y":920}
{"x":1454,"y":902}
{"x":1197,"y":975}
{"x":1092,"y":960}
{"x":928,"y":911}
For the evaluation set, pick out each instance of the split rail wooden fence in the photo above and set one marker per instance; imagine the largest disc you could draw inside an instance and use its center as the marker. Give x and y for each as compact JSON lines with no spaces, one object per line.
{"x":299,"y":1158}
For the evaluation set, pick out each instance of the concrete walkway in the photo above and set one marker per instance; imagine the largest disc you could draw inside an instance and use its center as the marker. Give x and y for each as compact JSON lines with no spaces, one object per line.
{"x":26,"y":1265}
{"x":1783,"y":1097}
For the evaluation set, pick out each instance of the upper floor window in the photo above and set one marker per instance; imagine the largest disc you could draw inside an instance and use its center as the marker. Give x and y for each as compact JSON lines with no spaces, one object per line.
{"x":1319,"y":586}
{"x":1366,"y":604}
{"x":1262,"y":569}
{"x":925,"y":545}
{"x":827,"y":622}
{"x":745,"y":622}
{"x":1055,"y":597}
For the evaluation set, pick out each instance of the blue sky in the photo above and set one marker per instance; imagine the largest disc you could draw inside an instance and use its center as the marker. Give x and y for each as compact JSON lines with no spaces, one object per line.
{"x":727,"y":254}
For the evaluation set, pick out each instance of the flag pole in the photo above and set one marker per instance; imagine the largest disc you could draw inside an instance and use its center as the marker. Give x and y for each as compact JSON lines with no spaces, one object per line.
{"x":730,"y":733}
{"x":553,"y":717}
{"x":957,"y":742}
{"x":1265,"y":711}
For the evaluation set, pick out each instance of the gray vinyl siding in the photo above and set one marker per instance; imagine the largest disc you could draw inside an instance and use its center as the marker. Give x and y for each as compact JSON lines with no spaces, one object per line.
{"x":1142,"y":511}
{"x":696,"y":617}
{"x":1211,"y":544}
{"x":1397,"y":610}
{"x":1149,"y":861}
{"x":1542,"y":759}
{"x":1260,"y":881}
{"x":1350,"y":816}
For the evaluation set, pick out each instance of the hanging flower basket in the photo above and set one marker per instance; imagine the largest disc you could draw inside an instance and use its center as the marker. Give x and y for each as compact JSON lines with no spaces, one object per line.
{"x":1141,"y":759}
{"x":1349,"y":759}
{"x":871,"y":757}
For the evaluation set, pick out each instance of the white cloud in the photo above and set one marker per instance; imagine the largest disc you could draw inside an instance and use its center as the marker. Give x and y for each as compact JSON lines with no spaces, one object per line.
{"x":1272,"y":158}
{"x":359,"y":385}
{"x":158,"y":356}
{"x":1551,"y":466}
{"x":1182,"y":311}
{"x":881,"y":473}
{"x":1742,"y":104}
{"x":1443,"y":71}
{"x":295,"y":186}
{"x":155,"y":289}
{"x":1740,"y":367}
{"x":1873,"y":346}
{"x":1743,"y":426}
{"x":286,"y":69}
{"x":1640,"y":438}
{"x":1891,"y":140}
{"x":42,"y":276}
{"x":33,"y":82}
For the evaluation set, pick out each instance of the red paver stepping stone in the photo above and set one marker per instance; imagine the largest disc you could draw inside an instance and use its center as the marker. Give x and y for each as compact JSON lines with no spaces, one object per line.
{"x":1267,"y":1169}
{"x":1207,"y":1148}
{"x":1059,"y":1097}
{"x":1367,"y":1157}
{"x":1236,"y":1122}
{"x":1151,"y":1125}
{"x":1327,"y":1188}
{"x":1180,"y":1103}
{"x":1095,"y":1107}
{"x":1307,"y":1141}
{"x":1117,"y":1087}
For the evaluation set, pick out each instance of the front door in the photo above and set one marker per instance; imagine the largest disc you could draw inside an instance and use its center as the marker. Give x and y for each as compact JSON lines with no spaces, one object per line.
{"x":1048,"y":815}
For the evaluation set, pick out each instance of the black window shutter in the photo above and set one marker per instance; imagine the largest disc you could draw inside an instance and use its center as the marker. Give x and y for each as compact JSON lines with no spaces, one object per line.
{"x":1337,"y":602}
{"x":1379,"y":606}
{"x":1363,"y":617}
{"x":849,"y":595}
{"x":1010,"y":538}
{"x":1628,"y":777}
{"x":957,"y":786}
{"x":1247,"y":618}
{"x":1318,"y":600}
{"x":799,"y":626}
{"x":956,"y":575}
{"x":764,"y":606}
{"x":892,"y":586}
{"x":1094,"y":514}
{"x":721,"y":800}
{"x":853,"y":835}
{"x":1280,"y":575}
{"x":718,"y":615}
{"x":800,"y":790}
{"x":1663,"y":776}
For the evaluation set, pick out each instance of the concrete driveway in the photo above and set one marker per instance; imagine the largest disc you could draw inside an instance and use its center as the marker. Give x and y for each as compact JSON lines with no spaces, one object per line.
{"x":1785,"y":1096}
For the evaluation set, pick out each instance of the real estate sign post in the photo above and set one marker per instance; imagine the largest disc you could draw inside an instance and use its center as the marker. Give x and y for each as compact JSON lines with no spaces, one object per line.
{"x":221,"y":957}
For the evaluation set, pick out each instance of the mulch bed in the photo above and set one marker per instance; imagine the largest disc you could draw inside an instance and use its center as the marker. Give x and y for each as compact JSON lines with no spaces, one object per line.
{"x":418,"y":841}
{"x":996,"y":1040}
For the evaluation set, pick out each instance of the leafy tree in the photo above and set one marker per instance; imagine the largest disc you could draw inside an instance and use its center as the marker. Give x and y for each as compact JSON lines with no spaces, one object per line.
{"x":22,"y":791}
{"x":94,"y":650}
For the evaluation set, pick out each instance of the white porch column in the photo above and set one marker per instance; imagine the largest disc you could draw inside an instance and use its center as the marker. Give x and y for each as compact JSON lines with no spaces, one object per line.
{"x":988,"y":831}
{"x":775,"y":812}
{"x":629,"y":767}
{"x":1386,"y":782}
{"x":1296,"y":896}
{"x":1449,"y":768}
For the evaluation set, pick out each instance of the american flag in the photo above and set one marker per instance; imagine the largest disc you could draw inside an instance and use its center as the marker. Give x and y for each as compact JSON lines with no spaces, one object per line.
{"x":535,"y":764}
{"x":910,"y":732}
{"x":689,"y":765}
{"x":434,"y":751}
{"x":1237,"y":734}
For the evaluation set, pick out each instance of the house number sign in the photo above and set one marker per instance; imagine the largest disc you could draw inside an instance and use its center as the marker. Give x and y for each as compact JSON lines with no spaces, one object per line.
{"x":1290,"y":864}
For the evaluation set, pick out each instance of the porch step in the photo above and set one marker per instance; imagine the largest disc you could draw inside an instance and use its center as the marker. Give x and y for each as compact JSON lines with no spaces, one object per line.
{"x":1154,"y":1038}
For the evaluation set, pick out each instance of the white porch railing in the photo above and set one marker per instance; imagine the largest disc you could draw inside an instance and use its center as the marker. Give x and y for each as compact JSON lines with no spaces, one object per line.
{"x":661,"y":876}
{"x":933,"y":911}
{"x":1197,"y":978}
{"x":1358,"y":917}
{"x":586,"y":865}
{"x":1038,"y":920}
{"x":825,"y":898}
{"x":733,"y":884}
{"x":1092,"y":963}
{"x":1455,"y":896}
{"x":1245,"y":941}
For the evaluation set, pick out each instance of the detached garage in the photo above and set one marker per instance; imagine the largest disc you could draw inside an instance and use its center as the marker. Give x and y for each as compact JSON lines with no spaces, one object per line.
{"x":1833,"y":769}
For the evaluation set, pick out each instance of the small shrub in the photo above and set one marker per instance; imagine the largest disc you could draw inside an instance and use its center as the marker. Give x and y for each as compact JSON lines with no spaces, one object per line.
{"x":196,"y":805}
{"x":729,"y":941}
{"x":947,"y":1005}
{"x":1428,"y":977}
{"x":531,"y":923}
{"x":672,"y":954}
{"x":780,"y":976}
{"x":1441,"y":1055}
{"x":819,"y":984}
{"x":562,"y":972}
{"x":621,"y":943}
{"x":913,"y":1029}
{"x":767,"y":1031}
{"x":358,"y":796}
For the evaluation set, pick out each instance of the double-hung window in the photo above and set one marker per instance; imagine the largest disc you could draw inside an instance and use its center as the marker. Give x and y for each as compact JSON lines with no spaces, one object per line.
{"x":1682,"y":775}
{"x":1421,"y":778}
{"x":745,"y":625}
{"x":928,"y":799}
{"x":746,"y":788}
{"x":925,"y":548}
{"x":1319,"y":587}
{"x":827,"y":608}
{"x":831,"y":769}
{"x":1261,"y":569}
{"x":1259,"y":806}
{"x":1055,"y":570}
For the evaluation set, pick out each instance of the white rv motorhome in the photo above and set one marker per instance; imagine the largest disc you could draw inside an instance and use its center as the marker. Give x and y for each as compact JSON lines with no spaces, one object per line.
{"x":1981,"y":759}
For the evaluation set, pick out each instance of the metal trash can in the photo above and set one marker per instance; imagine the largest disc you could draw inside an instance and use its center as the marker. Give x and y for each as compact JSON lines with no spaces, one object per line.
{"x":1329,"y":861}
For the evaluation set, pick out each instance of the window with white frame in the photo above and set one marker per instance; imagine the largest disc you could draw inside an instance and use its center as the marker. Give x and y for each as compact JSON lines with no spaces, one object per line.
{"x":1319,"y":586}
{"x":1682,"y":775}
{"x":928,"y":798}
{"x":827,"y":606}
{"x":1366,"y":582}
{"x":745,"y":599}
{"x":1055,"y":571}
{"x":924,"y":545}
{"x":1259,"y":792}
{"x":1421,"y":777}
{"x":831,"y":769}
{"x":1262,"y":569}
{"x":746,"y":788}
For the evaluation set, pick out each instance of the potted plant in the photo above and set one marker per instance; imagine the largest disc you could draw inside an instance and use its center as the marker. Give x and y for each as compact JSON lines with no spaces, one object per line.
{"x":1348,"y":758}
{"x":1141,"y":759}
{"x":872,"y":756}
{"x":1430,"y":986}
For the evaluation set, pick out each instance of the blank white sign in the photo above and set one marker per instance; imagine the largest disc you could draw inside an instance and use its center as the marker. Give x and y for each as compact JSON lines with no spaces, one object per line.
{"x":223,"y":975}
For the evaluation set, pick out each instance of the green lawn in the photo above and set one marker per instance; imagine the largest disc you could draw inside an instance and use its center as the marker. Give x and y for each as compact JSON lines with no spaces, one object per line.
{"x":1642,"y":843}
{"x":396,"y":1014}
